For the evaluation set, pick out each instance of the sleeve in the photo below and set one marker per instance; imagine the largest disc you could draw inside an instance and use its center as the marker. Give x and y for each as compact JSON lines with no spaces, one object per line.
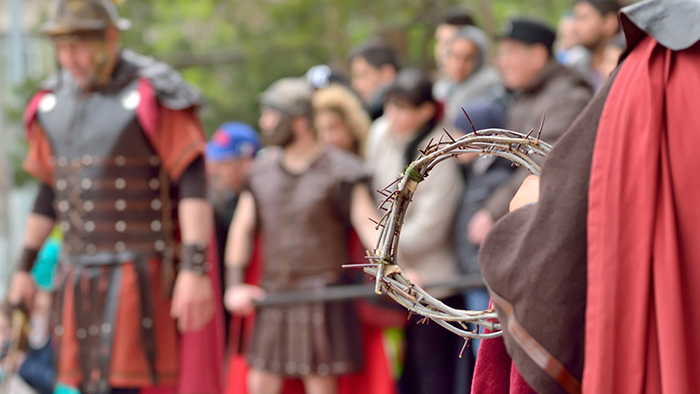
{"x":193,"y":182}
{"x":38,"y":160}
{"x":433,"y":209}
{"x":559,"y":117}
{"x":43,"y":205}
{"x":178,"y":139}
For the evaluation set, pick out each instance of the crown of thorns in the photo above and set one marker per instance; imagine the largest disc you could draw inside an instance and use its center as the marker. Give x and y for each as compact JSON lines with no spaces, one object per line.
{"x":514,"y":146}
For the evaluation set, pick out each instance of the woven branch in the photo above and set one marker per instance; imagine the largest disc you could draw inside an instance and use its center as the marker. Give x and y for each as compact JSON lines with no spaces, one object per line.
{"x":510,"y":145}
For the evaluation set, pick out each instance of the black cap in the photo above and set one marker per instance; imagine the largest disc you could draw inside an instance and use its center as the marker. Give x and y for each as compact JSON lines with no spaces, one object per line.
{"x":529,"y":32}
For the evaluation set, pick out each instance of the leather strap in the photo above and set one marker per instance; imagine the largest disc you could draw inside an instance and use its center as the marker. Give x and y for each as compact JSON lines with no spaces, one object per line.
{"x":194,"y":258}
{"x":537,"y":353}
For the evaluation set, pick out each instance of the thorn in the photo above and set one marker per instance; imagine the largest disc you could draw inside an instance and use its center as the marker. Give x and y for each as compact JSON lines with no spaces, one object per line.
{"x":410,"y":315}
{"x":470,"y":121}
{"x":358,"y":265}
{"x":374,"y":221}
{"x":541,"y":126}
{"x":448,"y":134}
{"x":530,"y":133}
{"x":466,"y":342}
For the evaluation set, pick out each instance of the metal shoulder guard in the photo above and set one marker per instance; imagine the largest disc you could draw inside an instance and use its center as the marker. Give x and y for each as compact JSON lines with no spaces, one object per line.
{"x":171,"y":90}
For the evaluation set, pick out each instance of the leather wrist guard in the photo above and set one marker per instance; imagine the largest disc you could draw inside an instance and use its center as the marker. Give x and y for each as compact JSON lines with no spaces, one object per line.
{"x":234,"y":275}
{"x":27,"y":259}
{"x":194,"y":258}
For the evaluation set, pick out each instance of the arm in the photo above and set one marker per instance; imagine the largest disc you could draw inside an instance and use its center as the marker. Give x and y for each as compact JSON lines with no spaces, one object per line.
{"x":193,"y":295}
{"x":433,"y":209}
{"x":361,"y":211}
{"x":239,"y":296}
{"x":39,"y":226}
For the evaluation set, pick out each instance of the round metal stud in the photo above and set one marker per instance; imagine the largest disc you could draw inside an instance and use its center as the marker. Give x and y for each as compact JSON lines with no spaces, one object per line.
{"x":90,"y":248}
{"x":120,"y":183}
{"x":159,"y":245}
{"x":62,"y":161}
{"x":146,"y":322}
{"x":47,"y":103}
{"x":156,"y":225}
{"x":120,"y":161}
{"x":87,"y":160}
{"x":106,"y":328}
{"x":154,"y":161}
{"x":131,"y":101}
{"x":120,"y":226}
{"x":86,"y":183}
{"x":103,"y":386}
{"x":81,"y":333}
{"x":198,"y":258}
{"x":63,"y":206}
{"x":120,"y":246}
{"x":61,"y":184}
{"x":65,"y":226}
{"x":58,"y":330}
{"x":89,"y":226}
{"x":303,"y":318}
{"x":304,"y":369}
{"x":93,"y":330}
{"x":120,"y":205}
{"x":156,"y":204}
{"x":323,"y":369}
{"x":275,"y":366}
{"x":88,"y":206}
{"x":154,"y":184}
{"x":291,"y":368}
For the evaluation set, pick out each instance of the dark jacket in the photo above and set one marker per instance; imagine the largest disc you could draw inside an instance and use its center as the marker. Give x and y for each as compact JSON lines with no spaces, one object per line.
{"x":560,"y":94}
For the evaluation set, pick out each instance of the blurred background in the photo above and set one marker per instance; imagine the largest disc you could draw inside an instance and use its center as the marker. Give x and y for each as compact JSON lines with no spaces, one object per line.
{"x":230,"y":49}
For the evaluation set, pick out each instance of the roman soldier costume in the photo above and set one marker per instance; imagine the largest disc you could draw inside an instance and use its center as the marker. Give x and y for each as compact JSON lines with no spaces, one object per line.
{"x":113,"y":162}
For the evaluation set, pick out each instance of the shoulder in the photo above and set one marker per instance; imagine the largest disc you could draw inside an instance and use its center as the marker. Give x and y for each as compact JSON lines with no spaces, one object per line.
{"x":569,"y":82}
{"x":345,"y":166}
{"x":265,"y":160}
{"x":170,"y":89}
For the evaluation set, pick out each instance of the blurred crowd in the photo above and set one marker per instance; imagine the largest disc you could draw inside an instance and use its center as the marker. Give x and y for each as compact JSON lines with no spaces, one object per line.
{"x":292,"y":198}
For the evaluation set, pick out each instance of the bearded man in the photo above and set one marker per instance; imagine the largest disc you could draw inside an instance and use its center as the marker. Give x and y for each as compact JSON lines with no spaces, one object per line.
{"x":302,"y":199}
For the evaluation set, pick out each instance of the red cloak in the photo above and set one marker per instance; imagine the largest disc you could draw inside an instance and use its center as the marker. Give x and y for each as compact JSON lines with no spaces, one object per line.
{"x":643,"y":297}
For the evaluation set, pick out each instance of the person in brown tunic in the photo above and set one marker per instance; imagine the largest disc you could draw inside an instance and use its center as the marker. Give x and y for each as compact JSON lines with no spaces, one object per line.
{"x":114,"y":139}
{"x":302,"y":198}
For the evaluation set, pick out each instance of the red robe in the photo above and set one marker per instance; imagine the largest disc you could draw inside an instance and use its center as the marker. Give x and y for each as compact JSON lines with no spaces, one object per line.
{"x":643,"y":299}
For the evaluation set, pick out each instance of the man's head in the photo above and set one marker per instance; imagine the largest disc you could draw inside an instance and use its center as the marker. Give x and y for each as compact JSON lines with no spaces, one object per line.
{"x":86,"y":38}
{"x":373,"y":67}
{"x":229,"y":153}
{"x":285,"y":111}
{"x":465,"y":53}
{"x":454,"y":19}
{"x":524,"y":49}
{"x":595,"y":22}
{"x":409,"y":102}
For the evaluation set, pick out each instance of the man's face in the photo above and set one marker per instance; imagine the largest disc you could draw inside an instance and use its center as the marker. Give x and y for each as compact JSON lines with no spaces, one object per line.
{"x":443,"y":35}
{"x":461,"y":59}
{"x":227,"y":176}
{"x":405,"y":118}
{"x":519,"y":63}
{"x":366,"y":80}
{"x":275,"y":127}
{"x":589,"y":25}
{"x":78,"y":56}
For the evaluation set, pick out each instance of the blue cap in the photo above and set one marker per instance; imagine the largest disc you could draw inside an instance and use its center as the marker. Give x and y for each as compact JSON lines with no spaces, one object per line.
{"x":233,"y":140}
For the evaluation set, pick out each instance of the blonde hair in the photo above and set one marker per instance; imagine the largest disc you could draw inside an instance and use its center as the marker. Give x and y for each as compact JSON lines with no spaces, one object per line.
{"x":339,"y":99}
